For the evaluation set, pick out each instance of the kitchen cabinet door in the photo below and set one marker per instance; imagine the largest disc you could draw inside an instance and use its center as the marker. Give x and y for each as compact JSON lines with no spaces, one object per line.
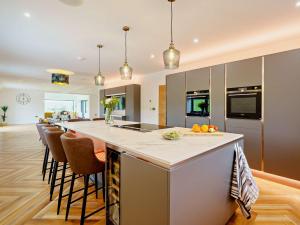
{"x":197,"y":79}
{"x":252,"y":131}
{"x":191,"y":120}
{"x":133,"y":102}
{"x":176,"y":100}
{"x":217,"y":96}
{"x":281,"y":114}
{"x":244,"y":73}
{"x":115,"y":90}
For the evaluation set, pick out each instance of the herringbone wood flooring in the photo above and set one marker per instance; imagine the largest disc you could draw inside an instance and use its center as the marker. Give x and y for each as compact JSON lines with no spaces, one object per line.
{"x":24,"y":197}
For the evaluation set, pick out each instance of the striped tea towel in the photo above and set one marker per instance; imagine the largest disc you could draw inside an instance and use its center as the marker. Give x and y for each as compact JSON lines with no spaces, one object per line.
{"x":243,"y":185}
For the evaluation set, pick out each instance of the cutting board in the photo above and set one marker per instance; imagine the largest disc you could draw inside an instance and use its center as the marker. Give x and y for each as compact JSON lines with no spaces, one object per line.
{"x":191,"y":133}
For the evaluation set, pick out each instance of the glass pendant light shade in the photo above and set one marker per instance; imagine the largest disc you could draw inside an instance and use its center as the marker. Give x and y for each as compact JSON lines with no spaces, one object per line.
{"x":126,"y":70}
{"x":171,"y":57}
{"x":99,"y":78}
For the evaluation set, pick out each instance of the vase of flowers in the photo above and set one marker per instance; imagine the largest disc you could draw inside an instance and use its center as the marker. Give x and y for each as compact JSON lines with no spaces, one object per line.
{"x":109,"y":106}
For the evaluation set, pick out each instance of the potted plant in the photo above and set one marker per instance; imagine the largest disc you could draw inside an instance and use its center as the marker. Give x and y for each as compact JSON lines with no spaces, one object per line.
{"x":109,"y":106}
{"x":4,"y":109}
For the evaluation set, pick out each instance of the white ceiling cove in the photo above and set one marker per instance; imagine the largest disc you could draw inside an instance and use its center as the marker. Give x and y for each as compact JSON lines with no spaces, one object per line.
{"x":59,"y":31}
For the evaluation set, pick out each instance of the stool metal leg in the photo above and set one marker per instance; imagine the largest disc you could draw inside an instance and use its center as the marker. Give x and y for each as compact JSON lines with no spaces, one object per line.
{"x":103,"y":185}
{"x":70,"y":196}
{"x":86,"y":186}
{"x":43,"y":167}
{"x":46,"y":162}
{"x":50,"y":171}
{"x":96,"y":185}
{"x":53,"y":179}
{"x":61,"y":187}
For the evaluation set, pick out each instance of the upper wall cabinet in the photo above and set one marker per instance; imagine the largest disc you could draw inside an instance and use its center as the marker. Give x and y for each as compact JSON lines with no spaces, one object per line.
{"x":176,"y":100}
{"x":197,"y":79}
{"x":244,"y":73}
{"x":281,"y":114}
{"x":115,"y":90}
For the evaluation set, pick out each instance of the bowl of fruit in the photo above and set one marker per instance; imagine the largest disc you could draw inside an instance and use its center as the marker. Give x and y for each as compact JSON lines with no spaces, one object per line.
{"x":172,"y":135}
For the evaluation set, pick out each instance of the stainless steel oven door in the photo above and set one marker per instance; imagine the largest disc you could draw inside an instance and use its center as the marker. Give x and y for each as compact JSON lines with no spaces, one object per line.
{"x":244,"y":105}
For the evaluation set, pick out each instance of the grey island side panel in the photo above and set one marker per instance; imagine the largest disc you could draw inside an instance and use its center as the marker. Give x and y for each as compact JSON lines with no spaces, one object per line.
{"x":144,"y":193}
{"x":196,"y":192}
{"x":200,"y":189}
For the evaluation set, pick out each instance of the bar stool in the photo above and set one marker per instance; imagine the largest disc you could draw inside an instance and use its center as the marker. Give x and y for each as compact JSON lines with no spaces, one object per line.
{"x":59,"y":156}
{"x":82,"y":160}
{"x":43,"y":129}
{"x":40,"y":130}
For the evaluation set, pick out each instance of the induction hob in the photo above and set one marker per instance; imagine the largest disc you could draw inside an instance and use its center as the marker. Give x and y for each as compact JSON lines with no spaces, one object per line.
{"x":141,"y":127}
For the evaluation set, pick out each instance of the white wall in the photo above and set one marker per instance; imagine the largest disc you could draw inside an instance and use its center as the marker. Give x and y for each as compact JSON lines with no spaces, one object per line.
{"x":22,"y":114}
{"x":26,"y":114}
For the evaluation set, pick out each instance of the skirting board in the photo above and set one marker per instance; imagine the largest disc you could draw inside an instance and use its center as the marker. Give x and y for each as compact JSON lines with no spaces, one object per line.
{"x":277,"y":179}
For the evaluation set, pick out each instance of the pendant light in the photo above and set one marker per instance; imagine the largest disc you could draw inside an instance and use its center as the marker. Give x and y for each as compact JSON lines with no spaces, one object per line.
{"x":99,"y":79}
{"x":126,"y":70}
{"x":60,"y":76}
{"x":171,"y":55}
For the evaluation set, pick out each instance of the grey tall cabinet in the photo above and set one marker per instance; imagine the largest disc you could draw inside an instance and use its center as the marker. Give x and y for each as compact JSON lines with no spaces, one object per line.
{"x":244,"y":73}
{"x":282,"y":114}
{"x":176,"y":100}
{"x":197,"y":80}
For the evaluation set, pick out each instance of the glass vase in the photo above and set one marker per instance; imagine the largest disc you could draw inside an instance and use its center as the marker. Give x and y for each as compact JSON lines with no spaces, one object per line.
{"x":108,"y":117}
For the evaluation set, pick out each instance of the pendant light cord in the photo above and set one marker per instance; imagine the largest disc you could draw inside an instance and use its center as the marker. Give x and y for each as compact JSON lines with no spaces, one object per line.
{"x":125,"y":46}
{"x":99,"y":60}
{"x":171,"y":22}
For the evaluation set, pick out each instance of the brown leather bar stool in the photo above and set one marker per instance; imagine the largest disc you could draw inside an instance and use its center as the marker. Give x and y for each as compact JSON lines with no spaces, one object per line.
{"x":43,"y":129}
{"x":82,"y":160}
{"x":46,"y":155}
{"x":59,"y":156}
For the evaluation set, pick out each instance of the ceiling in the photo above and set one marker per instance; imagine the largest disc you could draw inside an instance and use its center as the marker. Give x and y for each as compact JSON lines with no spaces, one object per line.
{"x":56,"y":34}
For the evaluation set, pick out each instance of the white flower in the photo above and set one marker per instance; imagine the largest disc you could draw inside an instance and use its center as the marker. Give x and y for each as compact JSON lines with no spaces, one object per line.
{"x":107,"y":101}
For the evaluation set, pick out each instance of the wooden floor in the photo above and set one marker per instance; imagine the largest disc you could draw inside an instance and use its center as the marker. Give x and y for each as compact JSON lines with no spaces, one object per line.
{"x":24,"y":197}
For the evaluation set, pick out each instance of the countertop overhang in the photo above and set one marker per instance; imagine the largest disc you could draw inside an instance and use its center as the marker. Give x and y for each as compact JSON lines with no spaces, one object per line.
{"x":151,"y":146}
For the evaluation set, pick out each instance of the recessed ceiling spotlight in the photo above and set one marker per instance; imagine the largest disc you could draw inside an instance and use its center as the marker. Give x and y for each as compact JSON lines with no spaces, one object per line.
{"x":196,"y":40}
{"x":298,"y":4}
{"x":27,"y":14}
{"x":152,"y":56}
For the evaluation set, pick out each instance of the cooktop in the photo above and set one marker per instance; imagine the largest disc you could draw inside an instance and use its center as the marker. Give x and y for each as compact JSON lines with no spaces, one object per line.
{"x":142,"y":127}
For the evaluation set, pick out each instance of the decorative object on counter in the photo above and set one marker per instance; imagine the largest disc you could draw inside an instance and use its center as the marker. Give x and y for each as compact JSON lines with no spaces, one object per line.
{"x":3,"y":116}
{"x":172,"y":135}
{"x":99,"y":79}
{"x":126,"y":70}
{"x":171,"y":55}
{"x":59,"y":76}
{"x":109,"y":106}
{"x":23,"y":99}
{"x":205,"y":128}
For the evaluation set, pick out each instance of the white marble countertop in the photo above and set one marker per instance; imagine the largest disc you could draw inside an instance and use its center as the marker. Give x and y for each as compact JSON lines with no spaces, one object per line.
{"x":151,"y":146}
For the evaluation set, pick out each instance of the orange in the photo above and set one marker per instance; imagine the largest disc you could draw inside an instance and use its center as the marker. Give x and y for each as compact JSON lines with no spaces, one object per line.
{"x":204,"y":128}
{"x":196,"y":128}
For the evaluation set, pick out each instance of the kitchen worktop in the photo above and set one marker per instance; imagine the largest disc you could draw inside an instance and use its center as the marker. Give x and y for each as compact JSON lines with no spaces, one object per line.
{"x":151,"y":146}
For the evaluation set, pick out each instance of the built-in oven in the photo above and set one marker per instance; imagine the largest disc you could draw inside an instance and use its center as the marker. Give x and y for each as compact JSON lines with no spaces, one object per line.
{"x":197,"y":103}
{"x":244,"y":102}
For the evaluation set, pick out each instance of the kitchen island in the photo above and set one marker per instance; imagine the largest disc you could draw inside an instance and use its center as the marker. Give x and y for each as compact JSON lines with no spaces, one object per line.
{"x":152,"y":181}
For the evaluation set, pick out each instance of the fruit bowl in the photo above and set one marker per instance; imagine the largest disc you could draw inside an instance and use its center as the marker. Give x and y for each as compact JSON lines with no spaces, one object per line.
{"x":172,"y":135}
